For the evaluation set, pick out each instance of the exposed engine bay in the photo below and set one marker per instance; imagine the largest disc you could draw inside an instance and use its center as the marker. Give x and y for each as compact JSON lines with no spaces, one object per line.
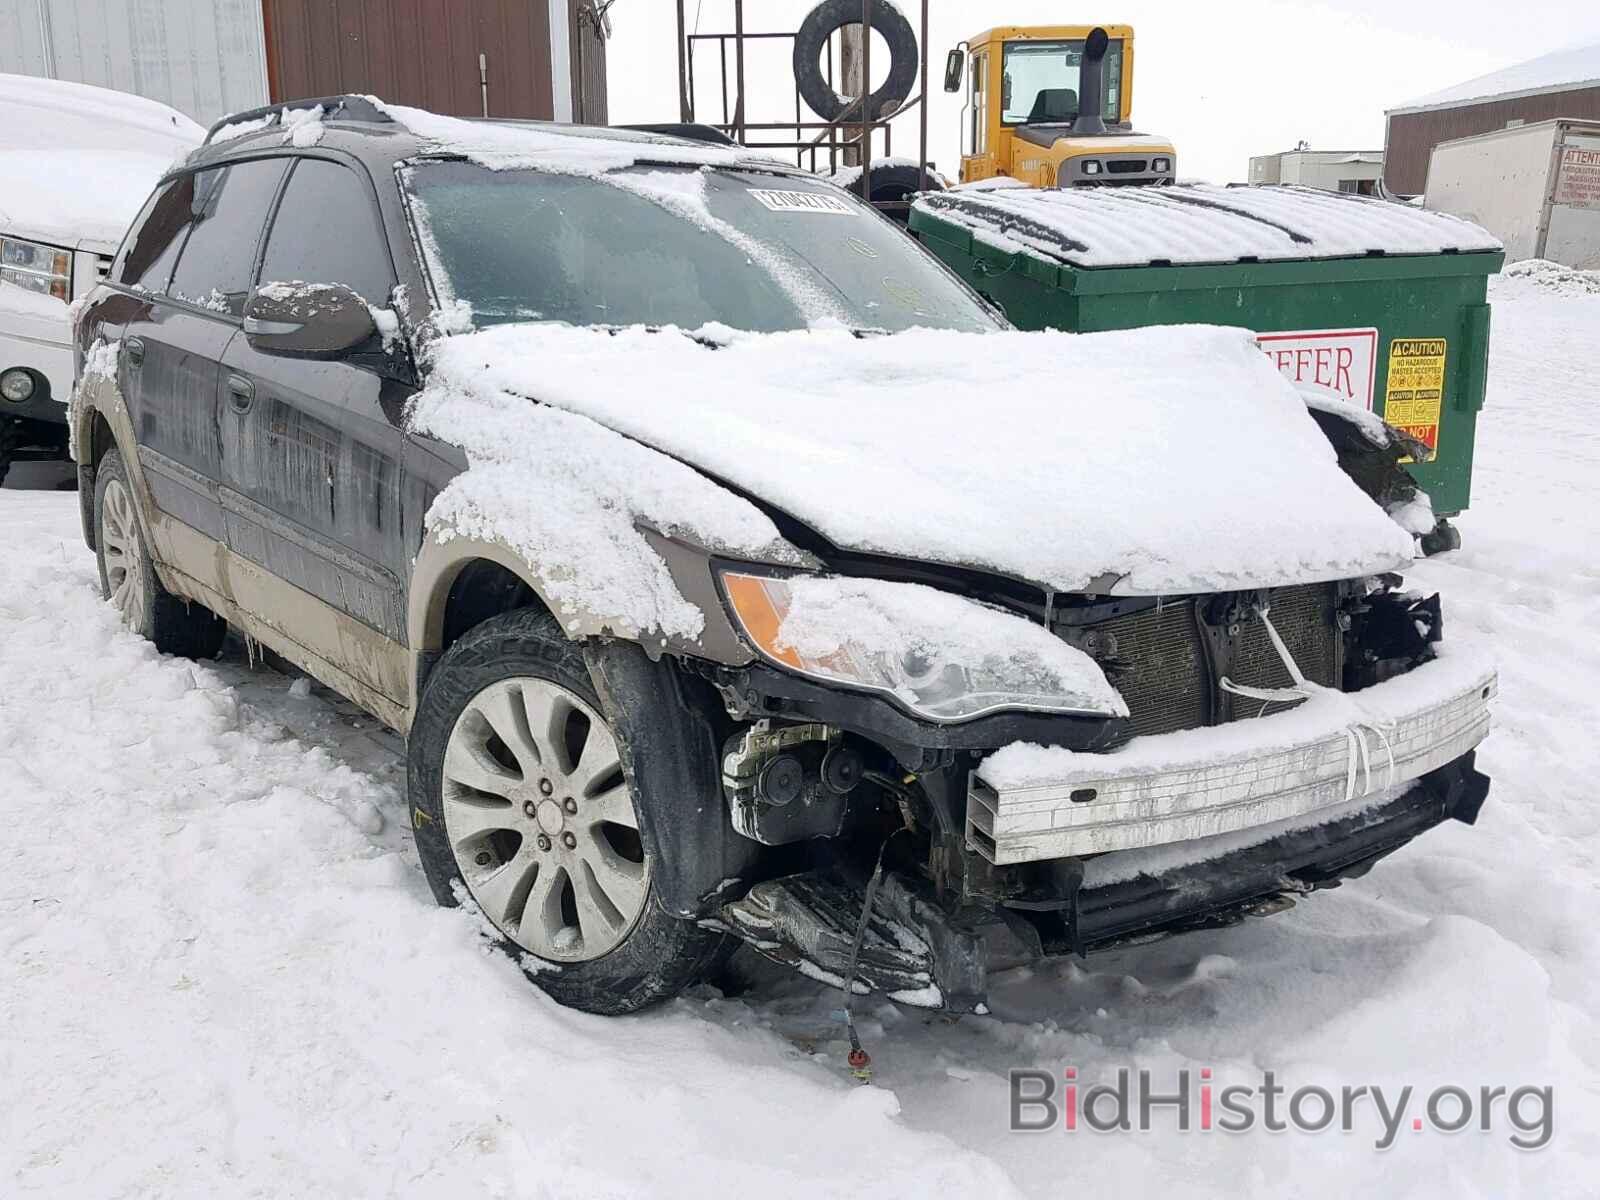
{"x":864,"y":801}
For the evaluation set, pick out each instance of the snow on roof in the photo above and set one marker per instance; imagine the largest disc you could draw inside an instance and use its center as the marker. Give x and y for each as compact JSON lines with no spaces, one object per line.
{"x":79,"y":161}
{"x":572,"y":149}
{"x":1199,"y":223}
{"x":1560,"y":70}
{"x":1153,"y":461}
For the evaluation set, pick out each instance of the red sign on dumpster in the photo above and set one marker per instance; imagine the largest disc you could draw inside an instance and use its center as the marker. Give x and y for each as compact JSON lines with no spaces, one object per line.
{"x":1338,"y":363}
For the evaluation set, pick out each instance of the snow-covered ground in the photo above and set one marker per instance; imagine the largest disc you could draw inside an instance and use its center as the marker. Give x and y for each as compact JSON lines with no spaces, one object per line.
{"x":221,"y":973}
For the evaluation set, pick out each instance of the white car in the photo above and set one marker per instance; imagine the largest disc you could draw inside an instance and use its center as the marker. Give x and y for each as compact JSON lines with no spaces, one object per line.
{"x":77,"y":162}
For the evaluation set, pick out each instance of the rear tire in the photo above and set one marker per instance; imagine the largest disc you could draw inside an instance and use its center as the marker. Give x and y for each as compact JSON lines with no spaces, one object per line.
{"x":128,"y":576}
{"x":10,"y":439}
{"x":518,"y":800}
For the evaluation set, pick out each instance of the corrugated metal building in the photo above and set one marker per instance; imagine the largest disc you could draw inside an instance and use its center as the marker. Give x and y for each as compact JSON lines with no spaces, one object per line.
{"x":503,"y":58}
{"x":1562,"y":84}
{"x":1331,"y":170}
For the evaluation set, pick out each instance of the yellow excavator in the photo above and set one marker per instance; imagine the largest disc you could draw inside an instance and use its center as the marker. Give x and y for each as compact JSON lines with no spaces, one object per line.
{"x":1050,"y":106}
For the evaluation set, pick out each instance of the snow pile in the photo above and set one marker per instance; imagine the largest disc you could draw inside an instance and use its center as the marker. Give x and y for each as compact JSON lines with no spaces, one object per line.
{"x":1160,"y":460}
{"x":223,"y":973}
{"x":1553,"y":277}
{"x":302,"y":126}
{"x":570,"y":496}
{"x":509,"y":145}
{"x":1575,"y":67}
{"x":1197,"y":223}
{"x":937,"y":651}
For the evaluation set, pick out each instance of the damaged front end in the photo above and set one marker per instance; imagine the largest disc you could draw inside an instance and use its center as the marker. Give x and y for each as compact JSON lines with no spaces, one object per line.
{"x":1262,"y":744}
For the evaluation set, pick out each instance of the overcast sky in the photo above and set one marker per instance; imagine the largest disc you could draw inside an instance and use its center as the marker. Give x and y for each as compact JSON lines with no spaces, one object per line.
{"x":1224,"y":80}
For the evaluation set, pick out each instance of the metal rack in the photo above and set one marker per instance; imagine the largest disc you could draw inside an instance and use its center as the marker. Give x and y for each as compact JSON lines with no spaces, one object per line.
{"x":811,"y":137}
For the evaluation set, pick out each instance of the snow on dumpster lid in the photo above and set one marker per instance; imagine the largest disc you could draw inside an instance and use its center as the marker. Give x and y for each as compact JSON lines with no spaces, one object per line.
{"x":1199,"y":223}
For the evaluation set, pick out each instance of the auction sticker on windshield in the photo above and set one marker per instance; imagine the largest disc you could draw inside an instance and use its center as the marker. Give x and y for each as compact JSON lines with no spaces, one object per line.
{"x":1339,"y":363}
{"x":803,"y":202}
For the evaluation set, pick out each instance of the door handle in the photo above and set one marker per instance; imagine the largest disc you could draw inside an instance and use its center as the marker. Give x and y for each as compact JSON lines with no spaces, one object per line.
{"x":241,"y":393}
{"x":135,"y":347}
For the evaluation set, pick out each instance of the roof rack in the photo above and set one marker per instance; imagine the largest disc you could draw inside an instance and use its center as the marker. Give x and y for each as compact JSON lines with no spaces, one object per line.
{"x":343,"y":108}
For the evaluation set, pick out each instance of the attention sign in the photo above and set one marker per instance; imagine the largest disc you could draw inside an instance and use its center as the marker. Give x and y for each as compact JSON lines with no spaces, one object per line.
{"x":1578,"y":179}
{"x":1338,"y":363}
{"x":1415,"y":391}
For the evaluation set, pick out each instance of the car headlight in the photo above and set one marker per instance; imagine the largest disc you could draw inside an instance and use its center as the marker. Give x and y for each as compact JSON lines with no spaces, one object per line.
{"x":1092,"y":167}
{"x":940,"y":656}
{"x":36,"y":267}
{"x":1161,"y":164}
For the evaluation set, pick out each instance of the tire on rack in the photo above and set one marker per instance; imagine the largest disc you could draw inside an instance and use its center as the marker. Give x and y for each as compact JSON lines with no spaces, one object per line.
{"x":897,"y":182}
{"x":518,"y":798}
{"x":128,"y":577}
{"x":812,"y":39}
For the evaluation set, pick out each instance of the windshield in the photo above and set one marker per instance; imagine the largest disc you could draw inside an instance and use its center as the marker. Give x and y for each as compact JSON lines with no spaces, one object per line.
{"x":1041,"y":81}
{"x":674,"y":245}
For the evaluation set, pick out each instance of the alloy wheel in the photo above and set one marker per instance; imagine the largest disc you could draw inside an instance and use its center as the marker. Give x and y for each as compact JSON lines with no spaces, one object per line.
{"x":541,"y":821}
{"x":124,"y":553}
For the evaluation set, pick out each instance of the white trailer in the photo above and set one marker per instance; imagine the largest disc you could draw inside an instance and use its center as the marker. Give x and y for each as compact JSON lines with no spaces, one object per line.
{"x":1536,"y":187}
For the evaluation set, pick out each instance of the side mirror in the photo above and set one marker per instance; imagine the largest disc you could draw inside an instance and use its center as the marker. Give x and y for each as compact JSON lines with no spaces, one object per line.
{"x":308,"y":320}
{"x":953,"y":63}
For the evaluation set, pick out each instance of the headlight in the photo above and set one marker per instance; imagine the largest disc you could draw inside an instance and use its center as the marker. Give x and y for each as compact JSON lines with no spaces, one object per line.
{"x":939,"y":655}
{"x":43,"y":269}
{"x":1161,"y":164}
{"x":1092,"y":167}
{"x":16,"y":385}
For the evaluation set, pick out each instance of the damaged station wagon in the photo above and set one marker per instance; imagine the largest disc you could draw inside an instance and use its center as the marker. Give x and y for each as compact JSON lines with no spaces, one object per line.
{"x":737,"y":576}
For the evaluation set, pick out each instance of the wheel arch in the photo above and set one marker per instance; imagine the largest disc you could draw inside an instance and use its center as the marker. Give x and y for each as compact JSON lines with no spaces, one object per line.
{"x":459,"y":583}
{"x":93,"y":433}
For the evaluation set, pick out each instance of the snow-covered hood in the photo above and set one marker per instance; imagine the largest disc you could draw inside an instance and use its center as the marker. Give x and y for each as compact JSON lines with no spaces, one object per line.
{"x":1155,"y":461}
{"x":79,"y":199}
{"x":78,"y":161}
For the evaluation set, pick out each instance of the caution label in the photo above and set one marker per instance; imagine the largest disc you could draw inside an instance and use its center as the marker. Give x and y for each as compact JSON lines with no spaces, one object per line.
{"x":1415,"y":391}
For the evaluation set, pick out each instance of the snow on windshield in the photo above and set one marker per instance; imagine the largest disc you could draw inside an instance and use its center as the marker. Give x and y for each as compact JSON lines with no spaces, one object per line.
{"x":684,"y":193}
{"x":677,"y":245}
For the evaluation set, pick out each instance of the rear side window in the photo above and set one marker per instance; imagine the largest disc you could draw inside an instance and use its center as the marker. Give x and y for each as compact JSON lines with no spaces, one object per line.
{"x":147,"y":255}
{"x":327,"y":231}
{"x":230,"y":208}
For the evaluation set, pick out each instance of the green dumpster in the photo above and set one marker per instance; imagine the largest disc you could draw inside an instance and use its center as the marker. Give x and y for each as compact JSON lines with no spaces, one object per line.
{"x":1378,"y":304}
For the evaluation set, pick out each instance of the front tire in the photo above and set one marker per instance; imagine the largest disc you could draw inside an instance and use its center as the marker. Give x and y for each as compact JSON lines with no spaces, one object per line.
{"x":128,"y":576}
{"x":519,"y":800}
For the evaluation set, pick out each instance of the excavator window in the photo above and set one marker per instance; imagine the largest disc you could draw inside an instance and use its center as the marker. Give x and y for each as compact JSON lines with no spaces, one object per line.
{"x":1040,"y":83}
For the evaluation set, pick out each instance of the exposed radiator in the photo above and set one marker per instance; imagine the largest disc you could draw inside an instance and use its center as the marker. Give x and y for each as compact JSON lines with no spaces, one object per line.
{"x":1160,"y":664}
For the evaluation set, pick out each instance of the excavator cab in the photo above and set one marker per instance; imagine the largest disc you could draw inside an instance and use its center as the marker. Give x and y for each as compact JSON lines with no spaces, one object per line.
{"x":1051,"y":106}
